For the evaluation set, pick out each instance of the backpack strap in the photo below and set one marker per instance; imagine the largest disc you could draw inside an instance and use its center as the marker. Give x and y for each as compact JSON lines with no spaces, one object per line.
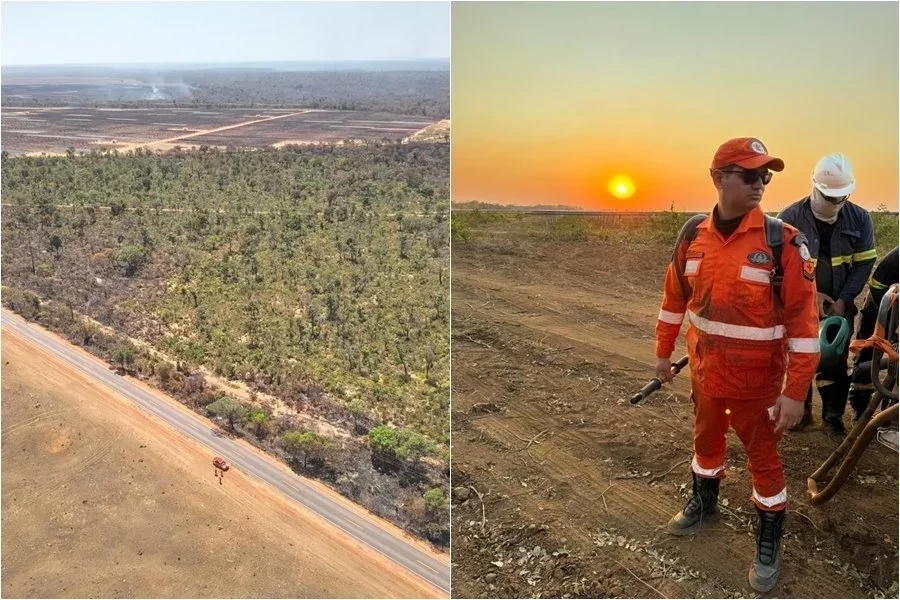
{"x":774,"y":232}
{"x":685,"y":236}
{"x":775,"y":240}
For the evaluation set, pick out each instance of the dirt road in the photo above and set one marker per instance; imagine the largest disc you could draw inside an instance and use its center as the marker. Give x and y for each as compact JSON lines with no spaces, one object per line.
{"x":101,"y":499}
{"x":563,"y":488}
{"x":199,"y":132}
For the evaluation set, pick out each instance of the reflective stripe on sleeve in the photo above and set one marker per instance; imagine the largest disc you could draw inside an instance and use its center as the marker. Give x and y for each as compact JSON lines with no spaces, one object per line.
{"x":670,"y":317}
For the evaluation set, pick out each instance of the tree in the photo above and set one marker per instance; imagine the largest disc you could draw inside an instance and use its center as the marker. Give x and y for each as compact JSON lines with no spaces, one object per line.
{"x":413,"y":446}
{"x":228,"y":408}
{"x":402,"y":443}
{"x":131,"y":258}
{"x":435,"y":501}
{"x":305,"y":445}
{"x":86,"y":331}
{"x":55,"y":243}
{"x":123,"y":354}
{"x":384,"y":439}
{"x":436,"y":515}
{"x":259,"y":417}
{"x":357,"y":409}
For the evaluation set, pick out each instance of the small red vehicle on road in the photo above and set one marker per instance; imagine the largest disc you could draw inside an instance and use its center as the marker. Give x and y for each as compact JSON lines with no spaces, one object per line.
{"x":220,"y":463}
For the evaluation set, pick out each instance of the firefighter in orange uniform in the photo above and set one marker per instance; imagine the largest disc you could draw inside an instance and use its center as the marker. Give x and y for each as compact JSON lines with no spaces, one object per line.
{"x":752,"y":341}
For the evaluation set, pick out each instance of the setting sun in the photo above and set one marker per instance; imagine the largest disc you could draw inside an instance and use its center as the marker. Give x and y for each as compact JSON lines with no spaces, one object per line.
{"x":621,"y":186}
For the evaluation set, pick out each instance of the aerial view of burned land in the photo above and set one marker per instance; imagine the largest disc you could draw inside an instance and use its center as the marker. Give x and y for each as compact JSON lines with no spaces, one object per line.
{"x":562,"y":488}
{"x":226,"y":335}
{"x":82,"y":111}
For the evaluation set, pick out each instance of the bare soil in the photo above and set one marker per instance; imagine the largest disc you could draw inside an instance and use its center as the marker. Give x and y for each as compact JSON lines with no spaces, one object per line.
{"x":561,"y":488}
{"x":434,"y":132}
{"x":53,"y":130}
{"x":101,"y":500}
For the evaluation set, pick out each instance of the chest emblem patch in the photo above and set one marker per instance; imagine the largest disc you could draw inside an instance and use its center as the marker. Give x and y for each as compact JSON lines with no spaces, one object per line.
{"x":758,"y":257}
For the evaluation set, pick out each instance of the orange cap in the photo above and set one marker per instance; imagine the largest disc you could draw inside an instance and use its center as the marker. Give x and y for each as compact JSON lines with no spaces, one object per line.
{"x":747,"y":153}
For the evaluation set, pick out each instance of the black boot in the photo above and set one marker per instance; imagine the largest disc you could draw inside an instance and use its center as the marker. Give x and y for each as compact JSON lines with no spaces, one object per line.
{"x":700,"y":509}
{"x":834,"y":429}
{"x":766,"y":567}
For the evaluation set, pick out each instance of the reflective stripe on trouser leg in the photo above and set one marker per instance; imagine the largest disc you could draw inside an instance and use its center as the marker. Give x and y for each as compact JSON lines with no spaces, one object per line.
{"x":770,"y":502}
{"x":751,"y":422}
{"x":710,"y":427}
{"x":714,"y":472}
{"x":862,"y":387}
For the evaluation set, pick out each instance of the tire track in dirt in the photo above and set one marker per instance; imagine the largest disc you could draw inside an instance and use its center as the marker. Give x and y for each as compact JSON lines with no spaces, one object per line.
{"x":605,"y":329}
{"x":578,"y":481}
{"x":57,"y":480}
{"x":524,"y":365}
{"x":35,"y":420}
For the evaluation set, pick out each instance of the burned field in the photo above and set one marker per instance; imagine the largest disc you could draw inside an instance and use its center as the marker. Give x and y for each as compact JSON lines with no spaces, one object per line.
{"x":562,"y":488}
{"x":55,"y":130}
{"x":317,"y":126}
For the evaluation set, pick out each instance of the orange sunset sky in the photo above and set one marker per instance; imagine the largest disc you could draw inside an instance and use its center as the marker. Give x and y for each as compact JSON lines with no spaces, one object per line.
{"x":550,"y":101}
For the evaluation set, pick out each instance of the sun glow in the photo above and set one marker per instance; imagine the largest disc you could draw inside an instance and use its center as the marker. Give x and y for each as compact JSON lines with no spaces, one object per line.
{"x":622,"y":187}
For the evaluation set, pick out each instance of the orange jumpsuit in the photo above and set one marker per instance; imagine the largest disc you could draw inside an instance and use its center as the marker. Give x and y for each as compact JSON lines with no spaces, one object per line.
{"x":741,"y":340}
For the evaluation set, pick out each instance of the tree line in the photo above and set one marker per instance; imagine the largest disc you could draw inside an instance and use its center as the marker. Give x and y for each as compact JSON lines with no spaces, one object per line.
{"x":425,"y":93}
{"x":317,"y":275}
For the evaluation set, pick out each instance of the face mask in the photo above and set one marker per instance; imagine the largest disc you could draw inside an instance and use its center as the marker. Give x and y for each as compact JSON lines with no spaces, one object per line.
{"x":823,"y":208}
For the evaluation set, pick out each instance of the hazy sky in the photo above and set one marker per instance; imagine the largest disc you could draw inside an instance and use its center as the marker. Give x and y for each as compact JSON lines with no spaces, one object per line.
{"x":156,"y":32}
{"x":551,"y":100}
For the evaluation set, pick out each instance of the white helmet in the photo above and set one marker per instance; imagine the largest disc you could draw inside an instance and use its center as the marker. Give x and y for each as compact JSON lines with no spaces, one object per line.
{"x":833,"y":176}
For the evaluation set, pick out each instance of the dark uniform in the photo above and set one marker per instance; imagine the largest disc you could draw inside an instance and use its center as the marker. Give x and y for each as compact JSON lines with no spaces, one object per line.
{"x":885,"y":275}
{"x":844,"y":253}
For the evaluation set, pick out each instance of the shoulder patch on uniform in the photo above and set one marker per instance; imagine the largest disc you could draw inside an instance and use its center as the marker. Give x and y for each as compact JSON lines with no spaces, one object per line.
{"x":800,"y":239}
{"x":801,"y":243}
{"x":758,"y":257}
{"x":809,"y":269}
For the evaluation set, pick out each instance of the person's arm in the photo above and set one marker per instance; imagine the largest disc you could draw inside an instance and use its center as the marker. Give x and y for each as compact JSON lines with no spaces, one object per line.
{"x":671,"y":315}
{"x":790,"y":215}
{"x":885,"y":276}
{"x":863,"y":258}
{"x":801,"y":315}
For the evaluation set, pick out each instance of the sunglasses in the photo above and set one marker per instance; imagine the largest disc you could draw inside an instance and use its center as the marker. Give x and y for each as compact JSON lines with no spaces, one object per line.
{"x":751,"y":177}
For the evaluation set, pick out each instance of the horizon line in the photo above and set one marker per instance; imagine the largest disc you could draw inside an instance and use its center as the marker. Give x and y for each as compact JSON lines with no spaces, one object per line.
{"x":227,"y":62}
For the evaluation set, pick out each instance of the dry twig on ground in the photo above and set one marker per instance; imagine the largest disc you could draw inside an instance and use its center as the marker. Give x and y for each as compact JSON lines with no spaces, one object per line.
{"x":603,"y":496}
{"x":535,"y":440}
{"x":675,"y":466}
{"x":481,"y":499}
{"x":661,"y":595}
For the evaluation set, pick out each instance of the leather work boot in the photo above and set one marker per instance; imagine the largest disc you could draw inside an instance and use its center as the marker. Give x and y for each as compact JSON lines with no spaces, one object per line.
{"x":700,"y":509}
{"x":834,"y":429}
{"x":766,"y":567}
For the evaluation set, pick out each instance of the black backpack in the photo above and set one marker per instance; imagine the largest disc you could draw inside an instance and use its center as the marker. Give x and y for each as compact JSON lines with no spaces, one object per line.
{"x":774,"y":232}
